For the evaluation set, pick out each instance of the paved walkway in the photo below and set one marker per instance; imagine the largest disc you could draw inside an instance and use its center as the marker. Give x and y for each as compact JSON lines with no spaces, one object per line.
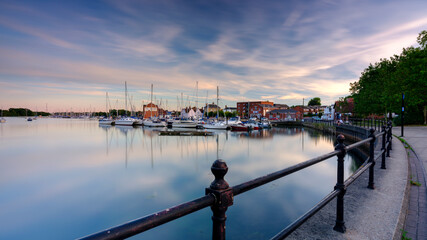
{"x":416,"y":219}
{"x":368,"y":214}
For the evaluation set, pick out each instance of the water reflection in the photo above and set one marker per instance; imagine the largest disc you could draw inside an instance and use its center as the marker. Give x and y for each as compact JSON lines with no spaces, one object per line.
{"x":103,"y":176}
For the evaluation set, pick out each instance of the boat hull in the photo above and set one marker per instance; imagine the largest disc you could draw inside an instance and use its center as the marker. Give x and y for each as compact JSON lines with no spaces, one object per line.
{"x":240,"y":128}
{"x":106,"y":122}
{"x":125,"y":122}
{"x":154,"y":124}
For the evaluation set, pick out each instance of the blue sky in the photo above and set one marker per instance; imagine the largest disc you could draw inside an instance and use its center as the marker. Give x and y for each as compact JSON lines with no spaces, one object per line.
{"x":67,"y":54}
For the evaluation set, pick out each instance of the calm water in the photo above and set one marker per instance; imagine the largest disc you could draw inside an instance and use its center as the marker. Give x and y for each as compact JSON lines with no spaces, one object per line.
{"x":65,"y":178}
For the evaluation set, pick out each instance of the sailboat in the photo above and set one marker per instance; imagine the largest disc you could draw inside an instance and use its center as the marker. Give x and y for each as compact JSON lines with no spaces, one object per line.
{"x":219,"y":125}
{"x":29,"y":119}
{"x":2,"y":119}
{"x":153,"y":122}
{"x":108,"y":120}
{"x":184,"y":121}
{"x":126,"y":121}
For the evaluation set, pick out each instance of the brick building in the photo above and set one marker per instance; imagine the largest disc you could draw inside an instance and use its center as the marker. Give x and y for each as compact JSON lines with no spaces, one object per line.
{"x":254,"y":109}
{"x":285,"y":114}
{"x":151,"y":110}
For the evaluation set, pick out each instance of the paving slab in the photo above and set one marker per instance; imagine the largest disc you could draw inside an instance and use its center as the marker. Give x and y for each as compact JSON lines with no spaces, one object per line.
{"x":368,"y":214}
{"x":416,"y":218}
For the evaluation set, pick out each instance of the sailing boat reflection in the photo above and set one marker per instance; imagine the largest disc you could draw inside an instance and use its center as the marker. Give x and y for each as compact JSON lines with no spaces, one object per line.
{"x":125,"y":130}
{"x":107,"y":129}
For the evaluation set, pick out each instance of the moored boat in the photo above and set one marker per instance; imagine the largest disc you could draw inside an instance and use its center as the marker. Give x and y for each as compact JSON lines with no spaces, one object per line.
{"x":106,"y":121}
{"x":216,"y":125}
{"x":126,"y":121}
{"x":241,"y":127}
{"x":184,"y":124}
{"x":154,"y":123}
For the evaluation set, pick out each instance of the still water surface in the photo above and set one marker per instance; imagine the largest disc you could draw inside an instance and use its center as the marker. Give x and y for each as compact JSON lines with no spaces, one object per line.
{"x":66,"y":178}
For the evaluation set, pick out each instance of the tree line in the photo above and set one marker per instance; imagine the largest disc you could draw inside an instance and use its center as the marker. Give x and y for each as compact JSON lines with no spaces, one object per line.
{"x":381,"y":85}
{"x":22,"y":112}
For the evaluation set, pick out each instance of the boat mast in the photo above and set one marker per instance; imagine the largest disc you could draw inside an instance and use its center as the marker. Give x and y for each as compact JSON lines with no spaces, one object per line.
{"x":207,"y":104}
{"x":126,"y":99}
{"x":217,"y":102}
{"x":197,"y":95}
{"x":182,"y":104}
{"x":151,"y":108}
{"x":106,"y":104}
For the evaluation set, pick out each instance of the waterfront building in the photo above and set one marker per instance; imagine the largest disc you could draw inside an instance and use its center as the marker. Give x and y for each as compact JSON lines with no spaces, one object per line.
{"x":253,"y":109}
{"x":152,"y":110}
{"x":211,"y":107}
{"x":284,"y":115}
{"x":230,"y":109}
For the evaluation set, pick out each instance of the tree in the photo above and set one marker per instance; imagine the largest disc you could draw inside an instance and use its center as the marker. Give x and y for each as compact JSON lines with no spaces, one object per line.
{"x":314,"y":101}
{"x":381,"y":85}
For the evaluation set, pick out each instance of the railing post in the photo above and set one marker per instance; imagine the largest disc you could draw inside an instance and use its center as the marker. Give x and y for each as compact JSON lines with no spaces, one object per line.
{"x":383,"y":148}
{"x":339,"y":223}
{"x":388,"y":139}
{"x":223,"y":198}
{"x":390,"y":123}
{"x":371,"y":184}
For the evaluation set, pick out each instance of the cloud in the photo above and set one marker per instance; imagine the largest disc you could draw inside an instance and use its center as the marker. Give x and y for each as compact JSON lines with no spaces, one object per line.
{"x":280,"y":52}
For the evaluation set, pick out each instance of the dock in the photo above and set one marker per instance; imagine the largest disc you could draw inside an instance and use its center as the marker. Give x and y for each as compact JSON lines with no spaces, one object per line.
{"x":184,"y":133}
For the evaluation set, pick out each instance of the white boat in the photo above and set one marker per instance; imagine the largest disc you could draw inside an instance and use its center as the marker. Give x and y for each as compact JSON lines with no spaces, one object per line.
{"x":106,"y":121}
{"x":126,"y":121}
{"x":109,"y":120}
{"x":139,"y":122}
{"x":184,"y":124}
{"x":233,"y":121}
{"x":216,"y":125}
{"x":154,"y":123}
{"x":264,"y":124}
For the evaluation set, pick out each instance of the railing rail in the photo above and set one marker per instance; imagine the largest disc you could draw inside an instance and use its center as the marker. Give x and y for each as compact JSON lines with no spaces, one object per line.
{"x":219,"y":196}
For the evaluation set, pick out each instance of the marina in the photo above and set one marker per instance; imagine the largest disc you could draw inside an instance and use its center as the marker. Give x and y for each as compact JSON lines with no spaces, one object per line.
{"x":136,"y":171}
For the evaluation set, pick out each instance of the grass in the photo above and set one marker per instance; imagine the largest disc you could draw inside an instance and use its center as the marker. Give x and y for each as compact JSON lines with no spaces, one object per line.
{"x":415,"y":183}
{"x":404,"y":237}
{"x":405,"y":143}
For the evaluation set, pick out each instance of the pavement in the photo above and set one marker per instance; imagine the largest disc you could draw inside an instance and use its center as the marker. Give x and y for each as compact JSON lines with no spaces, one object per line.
{"x":416,"y":218}
{"x":393,"y":208}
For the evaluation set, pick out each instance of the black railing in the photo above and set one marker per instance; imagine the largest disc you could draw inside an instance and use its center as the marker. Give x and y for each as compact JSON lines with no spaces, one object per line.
{"x":219,"y":196}
{"x":376,"y":124}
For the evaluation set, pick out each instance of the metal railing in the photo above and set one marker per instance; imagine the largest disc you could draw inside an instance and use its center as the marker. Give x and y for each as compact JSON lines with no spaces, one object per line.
{"x":219,"y":195}
{"x":359,"y":122}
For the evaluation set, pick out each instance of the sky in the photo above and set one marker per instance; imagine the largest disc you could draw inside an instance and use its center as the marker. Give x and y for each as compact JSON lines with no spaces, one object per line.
{"x":65,"y":55}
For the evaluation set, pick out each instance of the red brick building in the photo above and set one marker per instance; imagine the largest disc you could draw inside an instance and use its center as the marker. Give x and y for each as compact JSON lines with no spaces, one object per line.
{"x":254,"y":109}
{"x":151,"y":110}
{"x":285,"y":114}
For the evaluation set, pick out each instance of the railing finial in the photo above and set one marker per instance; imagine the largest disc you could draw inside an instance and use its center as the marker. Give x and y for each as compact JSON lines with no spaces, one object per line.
{"x":219,"y":169}
{"x":223,"y":198}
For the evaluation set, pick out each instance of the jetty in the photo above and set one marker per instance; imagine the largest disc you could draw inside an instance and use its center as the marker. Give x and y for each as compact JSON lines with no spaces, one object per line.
{"x":185,"y":133}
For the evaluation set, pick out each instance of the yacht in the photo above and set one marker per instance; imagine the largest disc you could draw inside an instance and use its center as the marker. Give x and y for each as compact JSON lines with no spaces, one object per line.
{"x":126,"y":121}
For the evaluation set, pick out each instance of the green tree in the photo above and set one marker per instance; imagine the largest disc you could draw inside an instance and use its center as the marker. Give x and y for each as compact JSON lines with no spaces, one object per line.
{"x":314,"y":101}
{"x":381,"y":85}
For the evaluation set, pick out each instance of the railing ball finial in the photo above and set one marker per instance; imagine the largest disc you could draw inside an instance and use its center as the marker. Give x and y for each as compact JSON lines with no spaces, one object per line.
{"x":219,"y":169}
{"x":371,"y":131}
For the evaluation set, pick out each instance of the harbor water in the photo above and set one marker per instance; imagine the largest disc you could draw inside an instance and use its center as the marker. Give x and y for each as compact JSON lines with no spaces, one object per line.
{"x":68,"y":178}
